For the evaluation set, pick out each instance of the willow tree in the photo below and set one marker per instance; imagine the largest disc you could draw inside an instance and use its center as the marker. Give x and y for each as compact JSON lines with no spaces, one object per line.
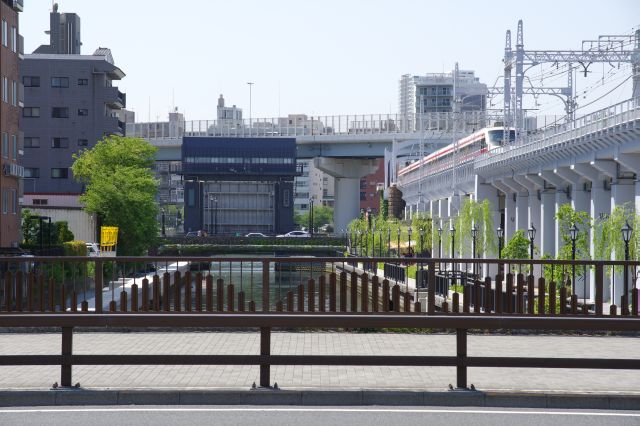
{"x":479,"y":215}
{"x":121,"y":188}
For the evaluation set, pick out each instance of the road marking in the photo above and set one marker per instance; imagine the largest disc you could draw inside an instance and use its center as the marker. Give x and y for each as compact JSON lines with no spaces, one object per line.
{"x":313,"y":410}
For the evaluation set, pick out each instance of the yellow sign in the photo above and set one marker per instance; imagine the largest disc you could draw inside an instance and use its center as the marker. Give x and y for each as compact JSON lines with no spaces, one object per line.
{"x":108,"y":238}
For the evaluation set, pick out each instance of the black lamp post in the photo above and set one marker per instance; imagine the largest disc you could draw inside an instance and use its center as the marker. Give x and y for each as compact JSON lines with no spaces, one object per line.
{"x":398,"y":246}
{"x":388,"y":241}
{"x":380,"y":243}
{"x":627,"y":230}
{"x":474,"y":237}
{"x":366,"y":242}
{"x":409,"y":233}
{"x":500,"y":233}
{"x":532,"y":235}
{"x":215,"y":215}
{"x":573,"y":234}
{"x":373,"y":240}
{"x":311,"y":217}
{"x":453,"y":240}
{"x":440,"y":245}
{"x":162,"y":220}
{"x":344,"y":238}
{"x":421,"y":241}
{"x":359,"y":244}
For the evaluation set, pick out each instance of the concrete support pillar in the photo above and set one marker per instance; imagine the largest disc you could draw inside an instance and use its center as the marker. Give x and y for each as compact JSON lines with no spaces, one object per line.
{"x":347,"y":173}
{"x":509,"y":215}
{"x":561,"y":198}
{"x":547,"y":222}
{"x":522,"y":211}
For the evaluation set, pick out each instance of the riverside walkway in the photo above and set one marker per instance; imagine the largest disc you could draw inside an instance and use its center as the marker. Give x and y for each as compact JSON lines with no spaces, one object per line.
{"x":323,"y":377}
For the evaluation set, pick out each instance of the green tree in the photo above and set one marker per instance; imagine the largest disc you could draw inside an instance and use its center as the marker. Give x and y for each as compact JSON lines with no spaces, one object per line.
{"x":517,"y":247}
{"x":321,"y":215}
{"x":121,"y":188}
{"x":478,"y":214}
{"x":29,"y":228}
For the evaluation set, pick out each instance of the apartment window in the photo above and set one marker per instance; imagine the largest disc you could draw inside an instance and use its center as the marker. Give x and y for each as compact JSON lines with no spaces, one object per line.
{"x":14,"y":93}
{"x":14,"y":201}
{"x":5,"y":145}
{"x":31,"y":81}
{"x":31,"y":112}
{"x":59,"y":173}
{"x":363,"y":196}
{"x":83,"y":112}
{"x":60,"y":143}
{"x":60,"y":82}
{"x":40,"y":201}
{"x":60,"y":112}
{"x":14,"y":146}
{"x":83,"y":142}
{"x":32,"y":172}
{"x":14,"y":39}
{"x":5,"y":89}
{"x":5,"y":201}
{"x":83,"y":82}
{"x":32,"y":142}
{"x":5,"y":33}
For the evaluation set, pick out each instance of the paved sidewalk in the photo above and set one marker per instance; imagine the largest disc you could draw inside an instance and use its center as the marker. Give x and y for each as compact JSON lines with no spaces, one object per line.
{"x":324,"y":377}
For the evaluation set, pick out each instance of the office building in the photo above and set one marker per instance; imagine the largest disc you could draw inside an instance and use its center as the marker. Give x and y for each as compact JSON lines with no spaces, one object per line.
{"x":434,"y":92}
{"x":10,"y":136}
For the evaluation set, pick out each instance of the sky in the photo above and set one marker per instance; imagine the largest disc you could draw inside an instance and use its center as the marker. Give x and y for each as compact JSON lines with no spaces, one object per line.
{"x":325,"y":57}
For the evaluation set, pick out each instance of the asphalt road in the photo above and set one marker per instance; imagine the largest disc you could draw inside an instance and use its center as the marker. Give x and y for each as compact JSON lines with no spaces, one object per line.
{"x":310,"y":416}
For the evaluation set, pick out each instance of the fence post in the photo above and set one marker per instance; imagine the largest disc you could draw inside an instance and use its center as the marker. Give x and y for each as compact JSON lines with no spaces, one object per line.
{"x":461,"y":358}
{"x":265,"y":297}
{"x":67,"y":350}
{"x":265,"y":349}
{"x":98,"y":284}
{"x":599,"y":277}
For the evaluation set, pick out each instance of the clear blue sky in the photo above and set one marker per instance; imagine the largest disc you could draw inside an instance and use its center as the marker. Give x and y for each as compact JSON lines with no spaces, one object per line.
{"x":322,"y":58}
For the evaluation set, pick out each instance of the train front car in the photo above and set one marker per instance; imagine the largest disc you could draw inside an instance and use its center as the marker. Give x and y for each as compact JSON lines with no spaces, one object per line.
{"x":495,"y":137}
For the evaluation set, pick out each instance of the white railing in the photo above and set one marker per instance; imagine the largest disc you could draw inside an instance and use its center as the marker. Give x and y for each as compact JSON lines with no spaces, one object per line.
{"x":550,"y":136}
{"x":300,"y":125}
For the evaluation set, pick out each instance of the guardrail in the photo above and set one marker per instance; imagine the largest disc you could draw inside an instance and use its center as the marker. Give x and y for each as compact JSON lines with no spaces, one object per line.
{"x":302,"y":125}
{"x":304,"y":292}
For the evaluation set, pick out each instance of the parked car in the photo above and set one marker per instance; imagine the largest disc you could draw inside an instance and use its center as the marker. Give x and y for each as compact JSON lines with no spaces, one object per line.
{"x":256,"y":235}
{"x":294,"y":234}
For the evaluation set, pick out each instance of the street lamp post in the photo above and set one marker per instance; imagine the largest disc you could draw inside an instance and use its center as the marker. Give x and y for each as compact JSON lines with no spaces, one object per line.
{"x":388,"y":241}
{"x":373,"y":240}
{"x":359,"y":244}
{"x":409,"y":234}
{"x":627,"y":230}
{"x":311,"y":216}
{"x":250,"y":112}
{"x":164,"y":232}
{"x":573,"y":234}
{"x":452,"y":229}
{"x":421,"y":240}
{"x":532,"y":235}
{"x":380,"y":242}
{"x":440,"y":244}
{"x":474,"y":237}
{"x":398,"y":246}
{"x":500,"y":233}
{"x":215,"y":215}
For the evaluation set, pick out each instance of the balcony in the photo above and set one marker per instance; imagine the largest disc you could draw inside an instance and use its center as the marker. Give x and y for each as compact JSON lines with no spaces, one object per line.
{"x":17,"y":5}
{"x":115,"y":98}
{"x":12,"y":169}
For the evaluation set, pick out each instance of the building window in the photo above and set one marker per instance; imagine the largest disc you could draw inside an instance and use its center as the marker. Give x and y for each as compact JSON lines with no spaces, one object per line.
{"x":5,"y":33}
{"x":31,"y":112}
{"x":14,"y":146}
{"x":14,"y":93}
{"x":363,"y":196}
{"x":60,"y":82}
{"x":32,"y":172}
{"x":40,"y":201}
{"x":14,"y":201}
{"x":83,"y":82}
{"x":5,"y":89}
{"x":60,"y":143}
{"x":32,"y":142}
{"x":31,"y":81}
{"x":59,"y":173}
{"x":5,"y":145}
{"x":83,"y":112}
{"x":14,"y":39}
{"x":5,"y":201}
{"x":60,"y":112}
{"x":83,"y":142}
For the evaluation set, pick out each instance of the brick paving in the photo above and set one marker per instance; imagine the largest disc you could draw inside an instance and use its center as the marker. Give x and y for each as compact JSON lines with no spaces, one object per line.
{"x":321,"y":377}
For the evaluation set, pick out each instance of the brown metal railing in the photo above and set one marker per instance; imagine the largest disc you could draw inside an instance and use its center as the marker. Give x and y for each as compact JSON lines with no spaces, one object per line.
{"x":306,"y":292}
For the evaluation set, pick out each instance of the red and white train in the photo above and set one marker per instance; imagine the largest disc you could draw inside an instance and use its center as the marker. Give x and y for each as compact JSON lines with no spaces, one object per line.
{"x":468,"y":148}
